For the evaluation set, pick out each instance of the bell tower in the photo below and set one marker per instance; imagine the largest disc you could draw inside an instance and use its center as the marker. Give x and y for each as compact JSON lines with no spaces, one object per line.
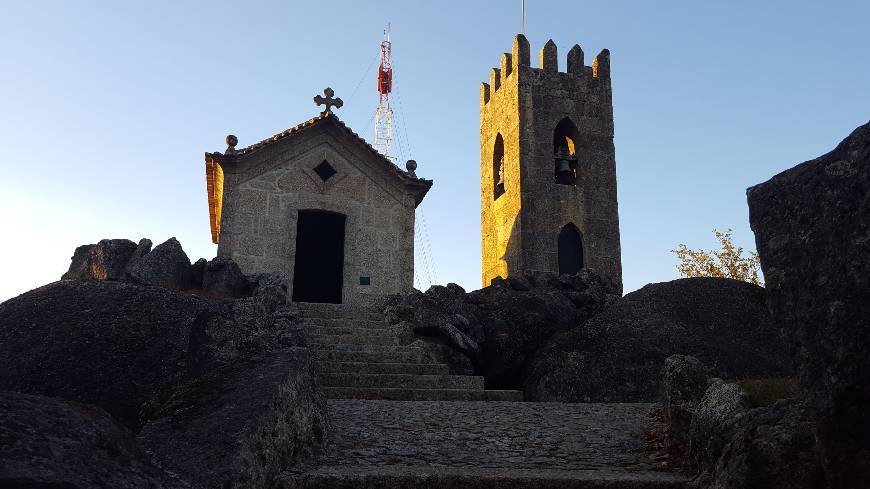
{"x":548,"y":166}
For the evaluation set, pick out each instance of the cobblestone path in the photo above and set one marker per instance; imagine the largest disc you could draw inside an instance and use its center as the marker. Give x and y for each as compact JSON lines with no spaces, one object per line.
{"x":377,"y":443}
{"x":488,"y":434}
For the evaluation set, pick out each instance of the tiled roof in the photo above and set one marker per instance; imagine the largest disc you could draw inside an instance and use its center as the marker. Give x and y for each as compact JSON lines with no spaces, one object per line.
{"x":214,"y":173}
{"x":323,"y":116}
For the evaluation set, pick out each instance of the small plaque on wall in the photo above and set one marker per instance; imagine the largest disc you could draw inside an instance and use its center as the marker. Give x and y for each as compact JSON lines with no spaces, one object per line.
{"x":365,"y":280}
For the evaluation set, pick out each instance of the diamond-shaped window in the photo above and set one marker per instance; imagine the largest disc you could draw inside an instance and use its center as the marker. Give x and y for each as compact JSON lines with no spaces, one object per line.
{"x":324,"y":170}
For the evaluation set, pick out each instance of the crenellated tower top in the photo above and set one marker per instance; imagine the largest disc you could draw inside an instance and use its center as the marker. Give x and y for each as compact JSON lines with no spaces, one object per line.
{"x":519,"y":61}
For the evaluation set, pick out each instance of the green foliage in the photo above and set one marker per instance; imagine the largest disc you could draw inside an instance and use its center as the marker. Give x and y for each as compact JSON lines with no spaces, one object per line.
{"x":764,"y":392}
{"x":729,"y":262}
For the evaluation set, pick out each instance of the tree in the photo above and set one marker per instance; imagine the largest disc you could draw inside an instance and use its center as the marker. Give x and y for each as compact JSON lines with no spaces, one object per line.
{"x":727,"y":263}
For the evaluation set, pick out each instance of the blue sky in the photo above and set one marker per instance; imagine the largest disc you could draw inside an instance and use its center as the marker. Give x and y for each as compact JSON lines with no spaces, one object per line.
{"x":107,"y":109}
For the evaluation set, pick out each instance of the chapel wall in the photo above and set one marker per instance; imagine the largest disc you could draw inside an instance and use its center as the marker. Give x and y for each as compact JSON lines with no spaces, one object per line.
{"x":261,"y":213}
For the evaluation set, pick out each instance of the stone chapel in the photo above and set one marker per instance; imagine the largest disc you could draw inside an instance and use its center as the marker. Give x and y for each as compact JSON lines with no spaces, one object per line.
{"x":548,"y":166}
{"x":319,"y":204}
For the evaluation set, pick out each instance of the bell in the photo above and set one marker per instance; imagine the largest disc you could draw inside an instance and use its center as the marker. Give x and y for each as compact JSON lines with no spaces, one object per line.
{"x":563,"y":168}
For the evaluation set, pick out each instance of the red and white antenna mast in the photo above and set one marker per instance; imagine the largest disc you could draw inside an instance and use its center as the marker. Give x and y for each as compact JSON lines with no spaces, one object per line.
{"x":384,"y":114}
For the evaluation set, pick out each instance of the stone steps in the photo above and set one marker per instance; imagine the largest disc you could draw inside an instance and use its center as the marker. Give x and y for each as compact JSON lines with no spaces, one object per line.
{"x":383,"y":368}
{"x":415,"y":477}
{"x":376,"y":348}
{"x":417,"y":356}
{"x":359,"y":357}
{"x":353,"y":340}
{"x":401,"y":381}
{"x":343,"y":323}
{"x":318,"y":331}
{"x":401,"y":394}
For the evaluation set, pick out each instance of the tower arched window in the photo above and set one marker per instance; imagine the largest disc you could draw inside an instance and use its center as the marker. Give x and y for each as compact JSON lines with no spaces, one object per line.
{"x":570,"y":250}
{"x":498,"y":167}
{"x":565,"y":152}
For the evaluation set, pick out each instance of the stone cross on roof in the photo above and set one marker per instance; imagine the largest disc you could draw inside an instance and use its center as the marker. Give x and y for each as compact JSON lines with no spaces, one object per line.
{"x":328,"y":101}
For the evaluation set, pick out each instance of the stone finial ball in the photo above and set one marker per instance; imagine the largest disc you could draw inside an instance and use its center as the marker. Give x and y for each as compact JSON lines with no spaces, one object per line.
{"x":232,"y":141}
{"x":411,"y":165}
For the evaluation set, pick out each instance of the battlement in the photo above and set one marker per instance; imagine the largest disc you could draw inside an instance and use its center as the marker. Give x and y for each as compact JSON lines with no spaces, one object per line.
{"x":519,"y":60}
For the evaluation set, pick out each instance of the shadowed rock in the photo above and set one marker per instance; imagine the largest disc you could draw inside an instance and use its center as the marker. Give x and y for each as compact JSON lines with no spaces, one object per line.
{"x":142,"y":249}
{"x":49,"y":443}
{"x":499,"y":327}
{"x":167,"y":265}
{"x":112,"y":344}
{"x":221,"y":276}
{"x":618,"y":354}
{"x":725,"y":442}
{"x":684,"y":382}
{"x":812,"y":230}
{"x":242,"y":424}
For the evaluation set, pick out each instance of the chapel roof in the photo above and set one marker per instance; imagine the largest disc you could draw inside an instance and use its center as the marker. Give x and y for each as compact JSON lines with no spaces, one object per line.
{"x":418,"y":187}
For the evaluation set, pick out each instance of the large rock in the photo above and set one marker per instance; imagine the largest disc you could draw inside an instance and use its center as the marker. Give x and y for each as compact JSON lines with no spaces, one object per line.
{"x":241,"y":424}
{"x":222,"y":277}
{"x":49,"y":443}
{"x":714,"y":418}
{"x":270,"y":289}
{"x":441,"y":312}
{"x":684,"y":382}
{"x":250,"y":407}
{"x":715,"y":433}
{"x":617,"y":356}
{"x":142,"y":249}
{"x":112,"y":344}
{"x":771,"y":447}
{"x":167,"y":265}
{"x":498,"y":328}
{"x":812,"y":231}
{"x":105,"y":260}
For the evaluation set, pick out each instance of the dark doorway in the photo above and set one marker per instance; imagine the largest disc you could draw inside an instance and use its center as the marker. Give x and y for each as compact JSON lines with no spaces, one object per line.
{"x":570,"y":250}
{"x":319,"y":269}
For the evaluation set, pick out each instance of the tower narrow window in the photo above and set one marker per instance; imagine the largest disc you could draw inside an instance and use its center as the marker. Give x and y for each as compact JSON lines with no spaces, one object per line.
{"x":498,"y":167}
{"x":565,"y":152}
{"x":570,"y":250}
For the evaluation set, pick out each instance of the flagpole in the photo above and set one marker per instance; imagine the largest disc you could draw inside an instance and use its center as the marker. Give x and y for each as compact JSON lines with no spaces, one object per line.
{"x":523,"y":17}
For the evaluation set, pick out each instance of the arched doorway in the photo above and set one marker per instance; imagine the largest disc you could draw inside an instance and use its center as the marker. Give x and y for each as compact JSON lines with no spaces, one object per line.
{"x":319,"y":270}
{"x":570,"y":250}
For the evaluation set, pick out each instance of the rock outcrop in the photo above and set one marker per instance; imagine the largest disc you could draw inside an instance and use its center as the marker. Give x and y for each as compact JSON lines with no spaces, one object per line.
{"x":115,"y":345}
{"x":499,"y":328}
{"x":684,"y":382}
{"x":220,"y":391}
{"x":106,"y":260}
{"x":727,"y":442}
{"x":47,"y":442}
{"x":617,"y":356}
{"x":221,"y":276}
{"x":167,"y":265}
{"x":812,"y":231}
{"x":242,"y":424}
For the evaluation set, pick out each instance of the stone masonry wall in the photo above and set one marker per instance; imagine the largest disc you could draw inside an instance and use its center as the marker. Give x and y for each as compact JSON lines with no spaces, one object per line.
{"x":262,"y":200}
{"x":520,"y":229}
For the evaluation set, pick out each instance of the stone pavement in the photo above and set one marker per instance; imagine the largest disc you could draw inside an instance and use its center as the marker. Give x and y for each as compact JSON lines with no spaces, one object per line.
{"x":393,"y":444}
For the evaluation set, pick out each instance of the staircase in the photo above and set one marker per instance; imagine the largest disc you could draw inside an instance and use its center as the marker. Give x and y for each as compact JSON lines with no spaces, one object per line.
{"x":359,"y":356}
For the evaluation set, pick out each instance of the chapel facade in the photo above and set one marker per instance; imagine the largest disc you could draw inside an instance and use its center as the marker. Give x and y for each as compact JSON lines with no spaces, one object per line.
{"x":548,"y":166}
{"x":319,"y":204}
